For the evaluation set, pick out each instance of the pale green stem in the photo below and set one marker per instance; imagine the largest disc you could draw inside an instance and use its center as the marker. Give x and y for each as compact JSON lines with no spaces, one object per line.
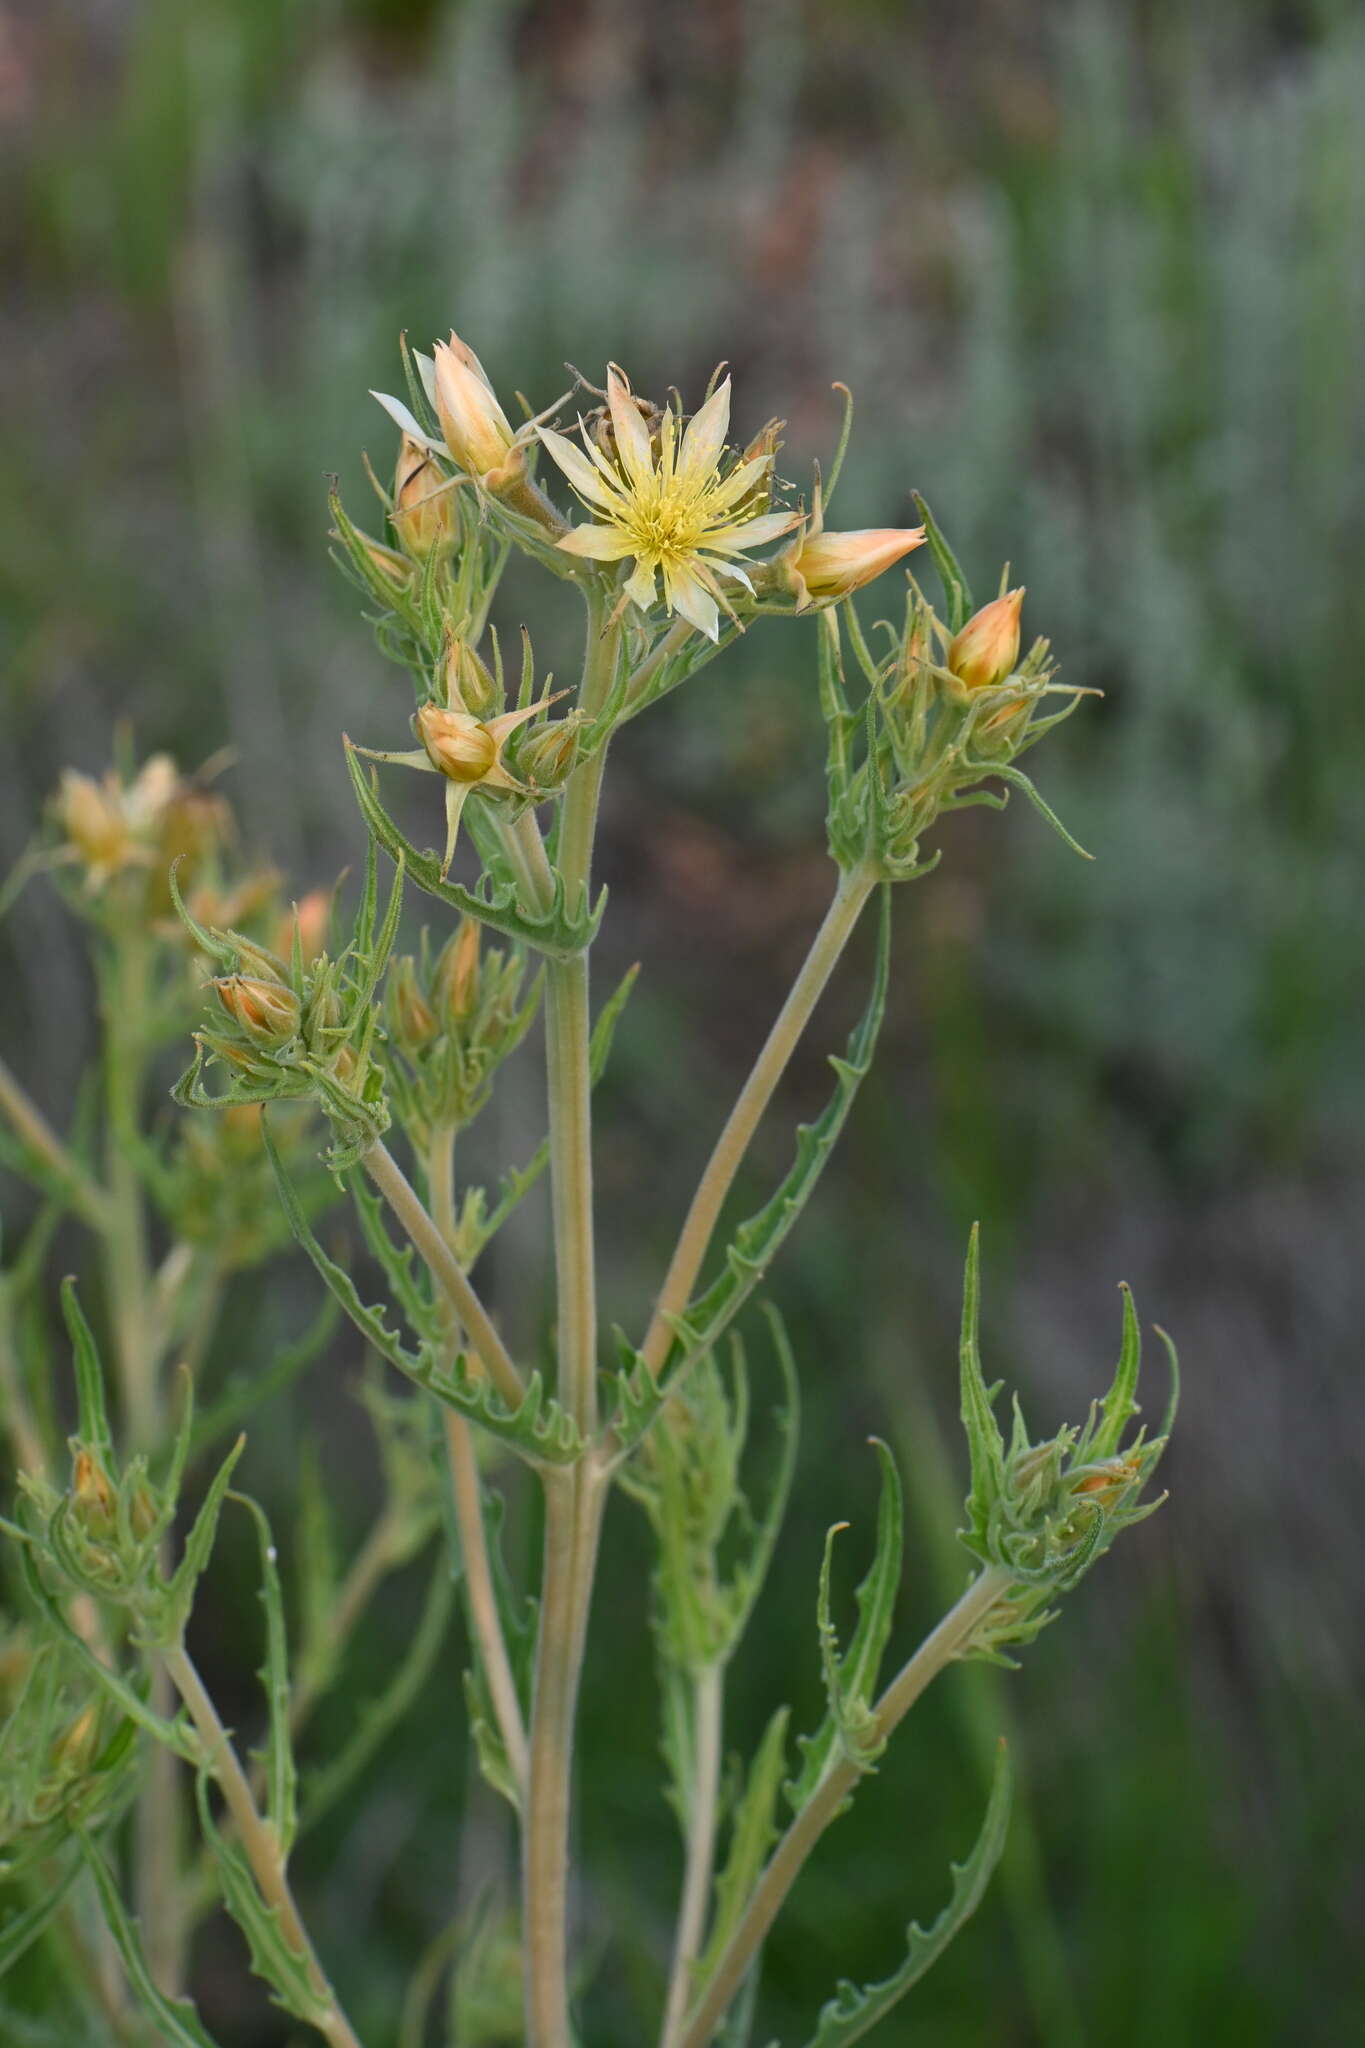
{"x":131,"y":1292}
{"x":574,"y":1499}
{"x":844,"y":911}
{"x":34,"y":1131}
{"x":258,"y":1840}
{"x":708,"y":1689}
{"x":127,"y":1271}
{"x":449,"y":1275}
{"x":467,"y":1490}
{"x":938,"y":1649}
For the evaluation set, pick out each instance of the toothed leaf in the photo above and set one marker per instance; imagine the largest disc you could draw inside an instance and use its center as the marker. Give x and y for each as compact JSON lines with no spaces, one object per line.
{"x":851,"y":2012}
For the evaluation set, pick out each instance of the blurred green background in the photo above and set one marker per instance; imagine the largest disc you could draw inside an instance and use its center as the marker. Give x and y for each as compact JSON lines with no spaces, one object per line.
{"x":1096,"y":274}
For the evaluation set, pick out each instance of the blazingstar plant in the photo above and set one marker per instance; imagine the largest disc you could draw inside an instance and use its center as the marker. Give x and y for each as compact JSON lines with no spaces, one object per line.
{"x":128,"y":1810}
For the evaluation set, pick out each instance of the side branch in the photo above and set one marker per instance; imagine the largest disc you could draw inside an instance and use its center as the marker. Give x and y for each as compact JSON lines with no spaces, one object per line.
{"x":939,"y":1648}
{"x":844,"y":911}
{"x":446,"y":1270}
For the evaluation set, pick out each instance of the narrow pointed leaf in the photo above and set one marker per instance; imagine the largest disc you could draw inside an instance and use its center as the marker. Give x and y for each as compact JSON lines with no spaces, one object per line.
{"x":92,"y":1416}
{"x":851,"y":2012}
{"x":281,"y":1777}
{"x":178,"y":2023}
{"x":752,"y":1833}
{"x":957,"y":594}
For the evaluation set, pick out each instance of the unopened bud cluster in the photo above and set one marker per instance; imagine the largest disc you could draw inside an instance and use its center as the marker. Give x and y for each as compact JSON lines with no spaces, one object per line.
{"x":451,"y":1020}
{"x":59,"y":1755}
{"x":301,"y":1028}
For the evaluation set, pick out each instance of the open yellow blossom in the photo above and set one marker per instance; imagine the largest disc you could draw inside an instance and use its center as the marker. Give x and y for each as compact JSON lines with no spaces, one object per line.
{"x":666,"y":503}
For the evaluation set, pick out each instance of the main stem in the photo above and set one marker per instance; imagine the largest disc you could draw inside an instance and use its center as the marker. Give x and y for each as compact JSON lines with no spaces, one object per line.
{"x":574,"y":1498}
{"x":258,"y":1841}
{"x":128,"y":1280}
{"x":855,"y":886}
{"x":939,"y":1648}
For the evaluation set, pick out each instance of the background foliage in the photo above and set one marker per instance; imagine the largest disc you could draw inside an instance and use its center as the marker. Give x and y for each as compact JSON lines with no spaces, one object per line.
{"x":1093,"y":272}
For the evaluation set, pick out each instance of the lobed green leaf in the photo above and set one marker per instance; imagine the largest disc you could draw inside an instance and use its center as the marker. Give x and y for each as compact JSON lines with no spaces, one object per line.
{"x":851,"y":2012}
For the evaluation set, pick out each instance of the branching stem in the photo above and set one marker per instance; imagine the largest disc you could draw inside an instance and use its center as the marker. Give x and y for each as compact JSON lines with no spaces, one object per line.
{"x":449,"y":1275}
{"x":939,"y":1648}
{"x":846,"y":907}
{"x":257,"y":1838}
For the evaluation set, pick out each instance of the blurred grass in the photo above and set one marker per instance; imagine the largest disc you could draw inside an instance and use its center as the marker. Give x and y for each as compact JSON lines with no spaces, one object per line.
{"x":1094,"y":274}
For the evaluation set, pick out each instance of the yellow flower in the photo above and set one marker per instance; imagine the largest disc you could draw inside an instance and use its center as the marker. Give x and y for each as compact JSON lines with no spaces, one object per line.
{"x":667,"y":505}
{"x":466,"y":750}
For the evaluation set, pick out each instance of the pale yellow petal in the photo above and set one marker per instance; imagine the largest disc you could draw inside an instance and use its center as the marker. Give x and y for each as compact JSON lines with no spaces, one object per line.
{"x":705,"y":436}
{"x":686,"y":597}
{"x":752,"y":533}
{"x":598,"y":543}
{"x":576,"y":468}
{"x":639,"y":585}
{"x":632,"y":435}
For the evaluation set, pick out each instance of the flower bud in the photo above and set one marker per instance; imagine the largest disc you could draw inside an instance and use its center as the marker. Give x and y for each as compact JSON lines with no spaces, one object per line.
{"x":240,"y":1128}
{"x":987,"y":648}
{"x":456,"y":981}
{"x":411,"y":1017}
{"x":455,"y":743}
{"x":90,"y":1486}
{"x":93,"y":820}
{"x":548,"y":755}
{"x":831,"y":565}
{"x":78,"y":1745}
{"x":763,"y":448}
{"x":475,"y":427}
{"x":423,"y":509}
{"x":310,"y":918}
{"x":391,"y":564}
{"x":267,"y":1011}
{"x":470,"y":684}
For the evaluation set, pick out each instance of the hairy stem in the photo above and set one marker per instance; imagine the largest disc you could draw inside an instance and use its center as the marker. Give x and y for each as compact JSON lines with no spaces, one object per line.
{"x":708,"y":1696}
{"x":449,"y":1275}
{"x":257,"y":1838}
{"x":844,"y":911}
{"x":939,"y":1648}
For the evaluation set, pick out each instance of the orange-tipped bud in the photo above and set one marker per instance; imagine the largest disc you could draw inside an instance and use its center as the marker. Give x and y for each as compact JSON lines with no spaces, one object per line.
{"x":476,"y":429}
{"x":457,"y":972}
{"x":455,"y":743}
{"x":311,"y":916}
{"x":411,"y":1017}
{"x":831,"y":565}
{"x":267,"y":1011}
{"x":987,"y":648}
{"x":423,"y":505}
{"x":90,"y":1486}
